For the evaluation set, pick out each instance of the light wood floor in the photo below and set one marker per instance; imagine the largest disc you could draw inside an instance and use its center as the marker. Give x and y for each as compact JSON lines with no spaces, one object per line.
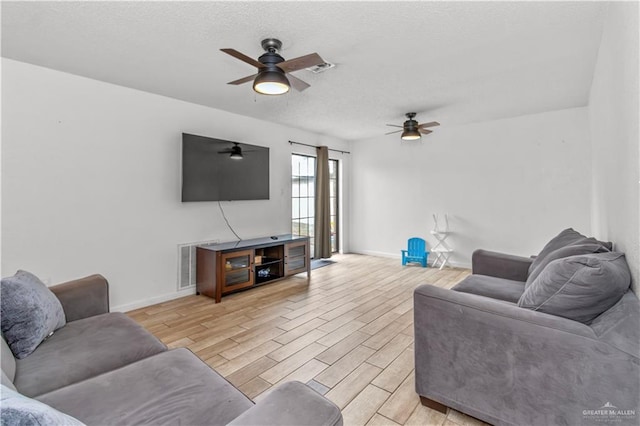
{"x":348,"y":333}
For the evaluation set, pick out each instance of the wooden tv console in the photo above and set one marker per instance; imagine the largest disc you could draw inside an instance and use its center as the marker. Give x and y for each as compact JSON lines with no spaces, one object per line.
{"x":229,"y":267}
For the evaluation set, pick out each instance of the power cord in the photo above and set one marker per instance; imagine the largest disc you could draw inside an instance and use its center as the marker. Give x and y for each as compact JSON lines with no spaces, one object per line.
{"x":227,"y":221}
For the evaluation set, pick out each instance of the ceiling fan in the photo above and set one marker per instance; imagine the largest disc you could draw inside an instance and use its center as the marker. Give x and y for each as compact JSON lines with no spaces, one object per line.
{"x":271,"y":78}
{"x":235,"y":151}
{"x":411,"y":129}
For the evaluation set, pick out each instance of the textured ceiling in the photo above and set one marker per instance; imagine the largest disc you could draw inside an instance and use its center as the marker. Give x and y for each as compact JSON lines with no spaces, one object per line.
{"x":454,"y":62}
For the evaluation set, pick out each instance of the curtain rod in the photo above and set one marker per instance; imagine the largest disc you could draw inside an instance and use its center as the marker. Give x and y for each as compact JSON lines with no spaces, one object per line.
{"x":314,"y":146}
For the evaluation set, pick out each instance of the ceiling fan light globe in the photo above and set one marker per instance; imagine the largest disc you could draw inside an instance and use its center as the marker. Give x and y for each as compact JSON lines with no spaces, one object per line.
{"x":410,"y":135}
{"x":271,"y":88}
{"x":271,"y":83}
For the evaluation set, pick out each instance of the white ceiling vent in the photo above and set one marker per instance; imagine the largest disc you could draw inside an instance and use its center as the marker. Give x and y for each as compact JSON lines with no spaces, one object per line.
{"x":321,"y":68}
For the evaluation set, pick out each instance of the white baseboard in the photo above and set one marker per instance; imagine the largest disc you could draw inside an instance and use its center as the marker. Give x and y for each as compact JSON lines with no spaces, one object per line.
{"x":399,"y":256}
{"x":377,"y":253}
{"x":153,"y":300}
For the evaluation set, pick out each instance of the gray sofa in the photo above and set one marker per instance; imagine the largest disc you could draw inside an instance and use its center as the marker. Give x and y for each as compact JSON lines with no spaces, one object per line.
{"x":480,"y":350}
{"x":102,"y":368}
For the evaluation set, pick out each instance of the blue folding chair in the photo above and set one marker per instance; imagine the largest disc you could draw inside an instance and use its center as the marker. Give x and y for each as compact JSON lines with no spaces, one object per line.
{"x":416,"y":252}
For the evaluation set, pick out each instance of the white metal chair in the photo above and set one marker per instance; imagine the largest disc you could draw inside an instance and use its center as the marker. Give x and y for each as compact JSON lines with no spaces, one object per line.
{"x":441,"y":249}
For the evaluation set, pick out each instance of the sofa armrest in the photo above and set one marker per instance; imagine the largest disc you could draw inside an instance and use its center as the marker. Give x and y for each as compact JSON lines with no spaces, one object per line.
{"x":500,"y":265}
{"x":84,"y":297}
{"x":292,"y":403}
{"x":618,"y":326}
{"x":509,"y":365}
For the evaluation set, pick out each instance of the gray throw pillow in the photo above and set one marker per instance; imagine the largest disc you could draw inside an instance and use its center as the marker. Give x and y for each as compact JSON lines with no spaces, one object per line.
{"x":565,"y":238}
{"x":579,"y":287}
{"x":30,"y":312}
{"x":570,"y":250}
{"x":17,"y":409}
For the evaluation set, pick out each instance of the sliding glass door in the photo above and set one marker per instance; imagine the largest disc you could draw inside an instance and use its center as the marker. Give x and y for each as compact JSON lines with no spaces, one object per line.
{"x":303,"y":183}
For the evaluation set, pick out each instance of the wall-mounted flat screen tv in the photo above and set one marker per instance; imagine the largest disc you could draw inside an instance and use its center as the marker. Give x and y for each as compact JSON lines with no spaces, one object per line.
{"x":221,"y":170}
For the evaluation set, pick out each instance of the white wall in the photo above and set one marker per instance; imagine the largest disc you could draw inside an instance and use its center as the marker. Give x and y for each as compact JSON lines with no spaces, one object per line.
{"x":508,"y":185}
{"x":91,"y":181}
{"x":613,"y":118}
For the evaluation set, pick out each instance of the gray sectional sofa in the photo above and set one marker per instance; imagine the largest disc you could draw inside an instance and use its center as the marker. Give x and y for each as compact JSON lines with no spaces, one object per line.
{"x":102,"y":368}
{"x":514,"y":346}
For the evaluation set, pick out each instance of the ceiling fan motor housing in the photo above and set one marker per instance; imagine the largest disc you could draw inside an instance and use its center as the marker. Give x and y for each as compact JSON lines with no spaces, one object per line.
{"x":410,"y":125}
{"x":271,"y":73}
{"x":270,"y":59}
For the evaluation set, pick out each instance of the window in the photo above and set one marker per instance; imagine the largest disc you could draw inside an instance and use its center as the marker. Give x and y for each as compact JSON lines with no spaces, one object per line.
{"x":303,"y":185}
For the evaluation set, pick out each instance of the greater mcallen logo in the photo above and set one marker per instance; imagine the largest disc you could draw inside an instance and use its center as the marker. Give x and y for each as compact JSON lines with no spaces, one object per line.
{"x":609,"y":413}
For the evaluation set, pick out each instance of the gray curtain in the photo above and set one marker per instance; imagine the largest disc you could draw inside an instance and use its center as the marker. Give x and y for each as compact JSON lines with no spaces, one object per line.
{"x":322,"y":220}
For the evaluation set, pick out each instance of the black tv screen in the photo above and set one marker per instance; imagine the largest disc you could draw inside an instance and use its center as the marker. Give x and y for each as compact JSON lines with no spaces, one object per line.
{"x":220,"y":170}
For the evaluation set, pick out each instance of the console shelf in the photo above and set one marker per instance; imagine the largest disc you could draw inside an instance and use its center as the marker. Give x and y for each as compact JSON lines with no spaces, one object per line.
{"x":225,"y":268}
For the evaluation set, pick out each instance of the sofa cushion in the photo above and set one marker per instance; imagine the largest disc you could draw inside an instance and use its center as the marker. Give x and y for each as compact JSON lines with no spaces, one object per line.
{"x":571,"y":250}
{"x":171,"y":388}
{"x":567,"y":237}
{"x":30,"y":312}
{"x":495,"y":288}
{"x":579,"y":287}
{"x":84,"y":349}
{"x":16,"y":409}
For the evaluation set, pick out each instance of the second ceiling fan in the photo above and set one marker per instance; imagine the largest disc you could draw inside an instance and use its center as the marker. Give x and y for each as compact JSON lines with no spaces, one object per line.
{"x":271,"y":78}
{"x":411,"y":129}
{"x":235,"y":151}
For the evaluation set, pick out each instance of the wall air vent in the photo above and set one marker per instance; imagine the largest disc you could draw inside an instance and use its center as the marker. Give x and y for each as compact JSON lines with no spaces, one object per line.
{"x":321,"y":68}
{"x":187,"y":263}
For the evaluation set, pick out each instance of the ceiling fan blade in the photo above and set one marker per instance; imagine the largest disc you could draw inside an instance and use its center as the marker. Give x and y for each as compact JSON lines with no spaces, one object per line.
{"x":243,"y":57}
{"x":430,"y":124}
{"x":394,"y":125}
{"x":301,"y":62}
{"x":425,"y":131}
{"x":243,"y":80}
{"x":390,"y":133}
{"x":297,"y":84}
{"x":228,"y":151}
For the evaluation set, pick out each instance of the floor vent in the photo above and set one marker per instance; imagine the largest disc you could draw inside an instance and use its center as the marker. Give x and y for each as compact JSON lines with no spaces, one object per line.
{"x":187,"y":263}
